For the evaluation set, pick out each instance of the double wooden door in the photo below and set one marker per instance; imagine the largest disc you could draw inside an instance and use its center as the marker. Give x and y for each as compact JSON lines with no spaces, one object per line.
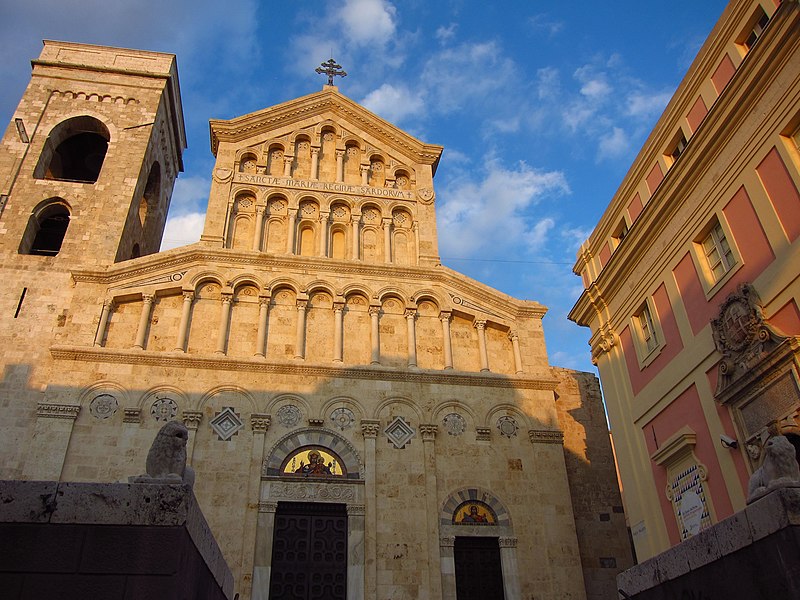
{"x":309,"y":552}
{"x":479,"y":574}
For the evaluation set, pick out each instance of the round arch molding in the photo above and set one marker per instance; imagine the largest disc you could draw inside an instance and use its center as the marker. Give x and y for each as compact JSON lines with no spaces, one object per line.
{"x":324,"y":438}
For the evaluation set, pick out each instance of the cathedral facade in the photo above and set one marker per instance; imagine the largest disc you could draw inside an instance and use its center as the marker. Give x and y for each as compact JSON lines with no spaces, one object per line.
{"x":364,"y":422}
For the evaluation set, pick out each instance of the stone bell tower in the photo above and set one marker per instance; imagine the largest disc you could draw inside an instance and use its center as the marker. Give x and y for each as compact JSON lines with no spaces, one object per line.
{"x":90,"y":157}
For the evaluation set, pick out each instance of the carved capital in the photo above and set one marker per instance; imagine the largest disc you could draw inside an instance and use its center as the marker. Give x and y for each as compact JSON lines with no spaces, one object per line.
{"x":356,"y":510}
{"x":374,"y":311}
{"x":479,"y":325}
{"x":260,"y":423}
{"x":508,"y":542}
{"x":147,"y":298}
{"x":302,"y":305}
{"x":267,"y":507}
{"x":428,"y":431}
{"x":545,"y":436}
{"x":370,"y":428}
{"x":227,"y":297}
{"x":188,"y":296}
{"x":411,"y":313}
{"x":445,"y":316}
{"x":57,"y":411}
{"x":513,"y":336}
{"x":447,"y":541}
{"x":132,"y":415}
{"x":192,"y":419}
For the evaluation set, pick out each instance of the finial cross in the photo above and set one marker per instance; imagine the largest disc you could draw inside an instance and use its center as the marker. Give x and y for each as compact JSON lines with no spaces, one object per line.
{"x":331,"y":68}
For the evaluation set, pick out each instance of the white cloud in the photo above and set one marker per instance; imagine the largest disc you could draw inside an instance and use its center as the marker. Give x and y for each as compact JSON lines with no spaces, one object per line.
{"x":643,"y":105}
{"x":368,"y":21}
{"x":493,"y":215}
{"x":445,"y":34}
{"x":544,"y":23}
{"x":189,"y":194}
{"x":394,"y":103}
{"x":613,"y":144}
{"x":468,"y":72}
{"x":183,"y":230}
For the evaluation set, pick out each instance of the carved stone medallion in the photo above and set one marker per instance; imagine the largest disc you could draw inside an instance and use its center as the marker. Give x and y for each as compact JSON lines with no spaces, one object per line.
{"x":103,"y":406}
{"x":289,"y":415}
{"x":164,"y":409}
{"x":507,"y":426}
{"x":343,"y":418}
{"x":454,"y":424}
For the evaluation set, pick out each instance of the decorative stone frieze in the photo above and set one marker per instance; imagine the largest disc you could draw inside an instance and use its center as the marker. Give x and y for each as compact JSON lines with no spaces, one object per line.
{"x":545,"y":436}
{"x":267,"y":507}
{"x":483,"y":433}
{"x":356,"y":510}
{"x":132,"y":415}
{"x":508,"y":542}
{"x":428,"y":431}
{"x":370,"y":428}
{"x":316,"y":422}
{"x":311,"y":491}
{"x":57,"y":411}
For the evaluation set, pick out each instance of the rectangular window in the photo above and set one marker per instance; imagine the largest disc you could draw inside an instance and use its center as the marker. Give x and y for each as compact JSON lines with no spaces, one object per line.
{"x":647,"y":331}
{"x":717,"y":252}
{"x":757,"y":30}
{"x":678,"y":147}
{"x":620,"y":232}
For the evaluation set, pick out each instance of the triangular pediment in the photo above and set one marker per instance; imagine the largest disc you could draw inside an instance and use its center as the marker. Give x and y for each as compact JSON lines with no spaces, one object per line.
{"x":314,"y":110}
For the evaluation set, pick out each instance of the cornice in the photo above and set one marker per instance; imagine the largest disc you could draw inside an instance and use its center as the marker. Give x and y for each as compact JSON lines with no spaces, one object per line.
{"x":179,"y":360}
{"x":293,"y":111}
{"x":712,"y":137}
{"x":182,"y":259}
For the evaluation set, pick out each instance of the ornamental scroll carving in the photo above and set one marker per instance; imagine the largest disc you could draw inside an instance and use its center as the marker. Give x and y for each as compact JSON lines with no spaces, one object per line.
{"x":741,"y":335}
{"x":311,"y":491}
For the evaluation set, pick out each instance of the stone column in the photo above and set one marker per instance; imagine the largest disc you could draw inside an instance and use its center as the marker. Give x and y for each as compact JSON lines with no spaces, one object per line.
{"x":364,"y":174}
{"x":323,"y":233}
{"x":447,"y":343}
{"x":300,"y":337}
{"x":259,"y":227}
{"x":415,"y":229}
{"x":339,"y":166}
{"x":375,"y":334}
{"x":315,"y":163}
{"x":508,"y":564}
{"x":263,"y":555}
{"x":356,"y":218}
{"x":411,"y":315}
{"x":144,"y":320}
{"x":192,"y":420}
{"x":338,"y":331}
{"x":369,"y":429}
{"x":263,"y":314}
{"x":102,"y":326}
{"x":183,"y":327}
{"x":432,"y":509}
{"x":447,"y":555}
{"x":287,"y":166}
{"x":259,"y":424}
{"x":514,"y":337}
{"x":387,"y":239}
{"x":224,"y":321}
{"x":44,"y":459}
{"x":356,"y":514}
{"x":292,"y":213}
{"x":481,"y":327}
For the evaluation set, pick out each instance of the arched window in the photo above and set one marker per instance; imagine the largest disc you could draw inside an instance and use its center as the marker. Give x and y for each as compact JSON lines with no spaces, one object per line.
{"x":152,"y":192}
{"x":74,"y":151}
{"x":46,"y":229}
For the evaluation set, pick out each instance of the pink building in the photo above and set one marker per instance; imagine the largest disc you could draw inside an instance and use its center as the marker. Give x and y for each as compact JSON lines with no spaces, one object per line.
{"x":692,"y":281}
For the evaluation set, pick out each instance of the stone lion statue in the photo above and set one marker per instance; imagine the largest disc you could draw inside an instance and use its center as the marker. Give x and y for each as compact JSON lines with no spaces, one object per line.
{"x":166,"y":461}
{"x":779,"y":469}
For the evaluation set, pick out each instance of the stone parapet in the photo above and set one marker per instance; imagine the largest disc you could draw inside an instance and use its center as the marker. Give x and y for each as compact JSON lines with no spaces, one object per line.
{"x":115,"y":539}
{"x":753,"y":554}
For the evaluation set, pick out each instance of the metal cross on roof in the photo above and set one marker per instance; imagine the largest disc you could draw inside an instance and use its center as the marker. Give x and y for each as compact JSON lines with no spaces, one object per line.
{"x":331,"y":69}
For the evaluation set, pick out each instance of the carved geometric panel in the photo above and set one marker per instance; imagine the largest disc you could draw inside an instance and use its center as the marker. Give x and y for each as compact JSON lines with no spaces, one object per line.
{"x":343,"y":418}
{"x":226,"y":424}
{"x":289,"y":415}
{"x":399,"y":432}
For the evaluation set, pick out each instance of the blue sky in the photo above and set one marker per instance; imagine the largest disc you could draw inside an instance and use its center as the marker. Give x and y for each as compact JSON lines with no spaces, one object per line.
{"x":541,"y":107}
